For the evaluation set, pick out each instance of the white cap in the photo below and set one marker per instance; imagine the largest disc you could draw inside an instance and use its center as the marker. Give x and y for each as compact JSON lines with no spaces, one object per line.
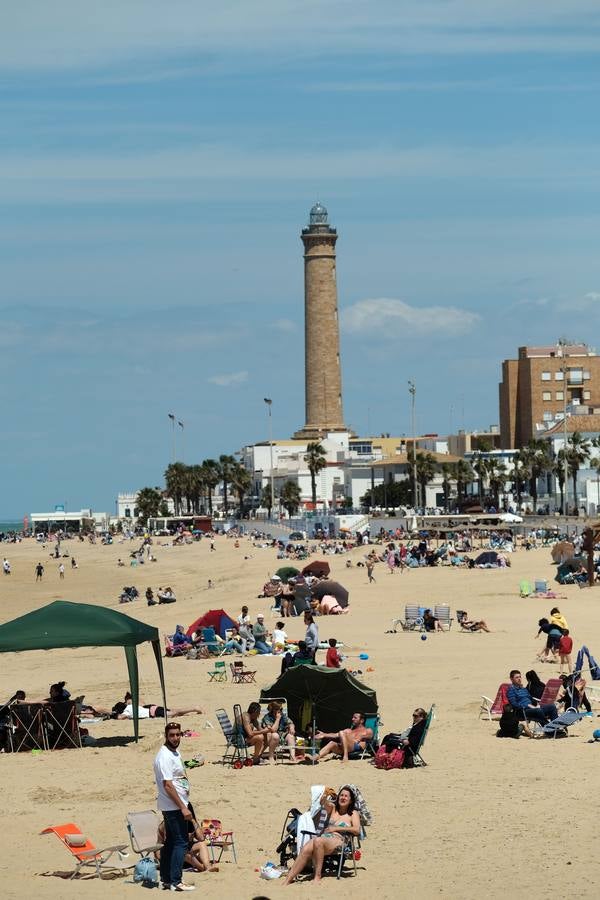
{"x":260,"y":616}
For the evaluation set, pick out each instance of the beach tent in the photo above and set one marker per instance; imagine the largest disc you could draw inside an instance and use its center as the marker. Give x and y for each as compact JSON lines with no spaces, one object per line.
{"x":214,"y":618}
{"x":334,"y":589}
{"x":487,"y":558}
{"x":320,"y":568}
{"x":287,"y":572}
{"x":328,"y":696}
{"x":65,"y":624}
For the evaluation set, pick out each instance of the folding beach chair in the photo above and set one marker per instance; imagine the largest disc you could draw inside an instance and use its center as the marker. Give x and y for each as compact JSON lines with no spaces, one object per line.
{"x":217,"y":839}
{"x":372,"y":744}
{"x":61,"y":725}
{"x":525,"y":589}
{"x":240,"y":675}
{"x":442,"y":614}
{"x":107,"y":860}
{"x":541,"y":586}
{"x":558,"y":727}
{"x":553,"y":686}
{"x":210,"y":642}
{"x":219,"y":673}
{"x":413,"y":619}
{"x":417,"y":759}
{"x":26,"y":727}
{"x":236,"y":751}
{"x":143,"y":832}
{"x":493,"y":709}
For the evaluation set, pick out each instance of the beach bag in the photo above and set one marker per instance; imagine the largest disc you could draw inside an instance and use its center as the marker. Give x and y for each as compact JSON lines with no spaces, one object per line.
{"x":145,"y":871}
{"x":392,"y":760}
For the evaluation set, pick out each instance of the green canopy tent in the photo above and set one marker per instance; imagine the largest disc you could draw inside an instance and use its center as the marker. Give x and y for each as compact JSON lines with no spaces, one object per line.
{"x":64,"y":624}
{"x":327,"y":696}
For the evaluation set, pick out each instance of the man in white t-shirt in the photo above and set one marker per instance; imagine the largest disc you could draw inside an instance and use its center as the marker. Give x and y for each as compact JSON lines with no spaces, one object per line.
{"x":173,"y":798}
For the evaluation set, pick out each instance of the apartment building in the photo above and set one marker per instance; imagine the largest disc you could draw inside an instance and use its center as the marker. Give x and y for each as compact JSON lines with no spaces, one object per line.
{"x":541,"y":384}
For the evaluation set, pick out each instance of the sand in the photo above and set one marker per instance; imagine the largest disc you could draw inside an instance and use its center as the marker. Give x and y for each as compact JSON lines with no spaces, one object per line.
{"x":485,"y":817}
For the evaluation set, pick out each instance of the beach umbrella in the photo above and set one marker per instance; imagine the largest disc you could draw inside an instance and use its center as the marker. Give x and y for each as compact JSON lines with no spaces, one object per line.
{"x":286,"y":572}
{"x":319,"y":568}
{"x":327,"y":696}
{"x":334,"y":589}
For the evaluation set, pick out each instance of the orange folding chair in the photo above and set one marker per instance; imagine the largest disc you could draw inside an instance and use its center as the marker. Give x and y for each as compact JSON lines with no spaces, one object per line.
{"x":217,"y":839}
{"x":109,"y":859}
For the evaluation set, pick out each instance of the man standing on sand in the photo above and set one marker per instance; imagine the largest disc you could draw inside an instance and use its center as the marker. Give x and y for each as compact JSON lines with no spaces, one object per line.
{"x":173,"y":799}
{"x":6,"y":567}
{"x":61,"y":570}
{"x":39,"y":571}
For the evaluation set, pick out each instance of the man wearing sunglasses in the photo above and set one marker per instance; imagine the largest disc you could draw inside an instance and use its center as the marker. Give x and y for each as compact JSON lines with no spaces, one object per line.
{"x":173,"y":799}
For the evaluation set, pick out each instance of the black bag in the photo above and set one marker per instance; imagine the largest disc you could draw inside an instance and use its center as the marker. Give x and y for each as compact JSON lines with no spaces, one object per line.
{"x":391,"y":742}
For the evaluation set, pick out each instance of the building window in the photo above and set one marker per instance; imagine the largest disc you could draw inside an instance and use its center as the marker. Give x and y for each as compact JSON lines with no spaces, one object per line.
{"x":546,"y":395}
{"x":548,"y":417}
{"x":586,"y":376}
{"x":587,"y":395}
{"x":127,"y":513}
{"x":560,"y":395}
{"x":559,"y":376}
{"x":546,"y":376}
{"x":576,"y":376}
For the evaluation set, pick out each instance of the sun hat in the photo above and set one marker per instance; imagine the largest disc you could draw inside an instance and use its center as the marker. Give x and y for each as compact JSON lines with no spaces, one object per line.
{"x":260,"y":616}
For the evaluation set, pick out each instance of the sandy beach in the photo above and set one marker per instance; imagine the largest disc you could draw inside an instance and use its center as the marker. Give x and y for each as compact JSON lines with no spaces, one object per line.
{"x":482,"y":816}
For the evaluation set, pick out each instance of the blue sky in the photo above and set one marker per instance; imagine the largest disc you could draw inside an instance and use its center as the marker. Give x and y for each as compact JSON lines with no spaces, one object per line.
{"x":157,"y":161}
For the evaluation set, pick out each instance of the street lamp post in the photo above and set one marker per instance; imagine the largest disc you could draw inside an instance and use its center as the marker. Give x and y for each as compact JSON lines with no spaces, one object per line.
{"x":172,"y":418}
{"x":182,"y":441}
{"x":412,"y":390}
{"x":564,"y":369}
{"x":269,"y":403}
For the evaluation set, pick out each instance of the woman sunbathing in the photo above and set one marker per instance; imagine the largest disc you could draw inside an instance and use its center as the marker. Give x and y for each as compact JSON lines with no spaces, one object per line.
{"x":344,"y":820}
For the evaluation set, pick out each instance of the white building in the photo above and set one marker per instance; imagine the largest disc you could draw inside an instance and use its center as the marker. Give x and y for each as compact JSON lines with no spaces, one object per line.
{"x":59,"y":520}
{"x":126,"y":504}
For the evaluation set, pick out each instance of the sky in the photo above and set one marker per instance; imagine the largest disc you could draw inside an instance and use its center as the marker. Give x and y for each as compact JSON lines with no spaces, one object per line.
{"x":158,"y":161}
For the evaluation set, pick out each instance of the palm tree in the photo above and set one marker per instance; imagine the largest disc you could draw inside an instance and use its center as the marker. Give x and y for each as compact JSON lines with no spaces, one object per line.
{"x":196,"y":485}
{"x":426,"y":469}
{"x":175,"y":482}
{"x":536,"y":458}
{"x":266,"y":498}
{"x":148,"y":502}
{"x":481,"y":470}
{"x":448,"y":474}
{"x":290,"y":497}
{"x":497,"y":474}
{"x":558,"y":470}
{"x":595,"y":464}
{"x":315,"y":458}
{"x":578,"y":452}
{"x":520,"y":474}
{"x":464,"y":475}
{"x":212,"y":476}
{"x":227,"y":466}
{"x":241,"y":480}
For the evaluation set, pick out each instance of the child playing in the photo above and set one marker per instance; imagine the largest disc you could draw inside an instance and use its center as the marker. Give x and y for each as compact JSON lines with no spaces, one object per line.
{"x":333,"y":660}
{"x":565,"y":646}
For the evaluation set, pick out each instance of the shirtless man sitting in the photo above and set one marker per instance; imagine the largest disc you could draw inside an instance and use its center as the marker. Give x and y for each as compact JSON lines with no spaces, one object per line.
{"x":350,"y":740}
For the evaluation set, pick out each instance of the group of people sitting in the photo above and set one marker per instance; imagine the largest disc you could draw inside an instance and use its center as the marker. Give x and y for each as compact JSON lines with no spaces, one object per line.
{"x":523,"y":707}
{"x":295,"y":596}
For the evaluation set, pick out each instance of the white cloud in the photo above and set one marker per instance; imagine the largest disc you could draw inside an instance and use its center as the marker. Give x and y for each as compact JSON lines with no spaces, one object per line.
{"x":286,"y":326}
{"x":67,"y":34}
{"x":395,"y":318}
{"x":231,"y":379}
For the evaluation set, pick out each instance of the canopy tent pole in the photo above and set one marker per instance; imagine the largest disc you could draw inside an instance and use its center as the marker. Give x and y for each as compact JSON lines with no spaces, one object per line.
{"x":161,"y":674}
{"x":134,"y":687}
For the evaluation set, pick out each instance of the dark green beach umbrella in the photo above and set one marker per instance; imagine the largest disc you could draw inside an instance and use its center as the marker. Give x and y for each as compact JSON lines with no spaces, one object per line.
{"x":287,"y":572}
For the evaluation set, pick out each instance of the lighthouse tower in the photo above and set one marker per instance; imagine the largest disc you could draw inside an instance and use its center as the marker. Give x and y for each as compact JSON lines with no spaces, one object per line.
{"x":323,"y":376}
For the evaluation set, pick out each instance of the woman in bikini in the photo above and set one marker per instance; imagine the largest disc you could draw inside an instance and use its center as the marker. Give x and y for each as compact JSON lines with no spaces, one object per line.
{"x":344,"y":819}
